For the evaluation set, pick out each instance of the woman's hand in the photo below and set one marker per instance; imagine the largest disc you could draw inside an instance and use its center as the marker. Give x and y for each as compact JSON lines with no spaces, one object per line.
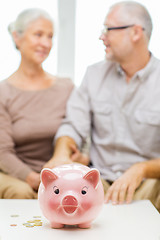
{"x":33,"y":179}
{"x":78,"y":157}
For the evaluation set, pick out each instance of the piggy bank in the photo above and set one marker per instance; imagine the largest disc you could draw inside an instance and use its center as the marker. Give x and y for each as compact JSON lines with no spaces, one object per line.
{"x":71,"y":194}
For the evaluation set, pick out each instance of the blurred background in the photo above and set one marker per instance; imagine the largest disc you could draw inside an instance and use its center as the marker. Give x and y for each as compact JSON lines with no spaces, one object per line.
{"x":76,"y":44}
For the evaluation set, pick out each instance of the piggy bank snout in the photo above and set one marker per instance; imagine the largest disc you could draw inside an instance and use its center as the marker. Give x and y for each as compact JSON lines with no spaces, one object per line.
{"x":69,"y":204}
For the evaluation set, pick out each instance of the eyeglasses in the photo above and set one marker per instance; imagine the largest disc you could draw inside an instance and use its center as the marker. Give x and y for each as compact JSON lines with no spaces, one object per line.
{"x":107,"y":29}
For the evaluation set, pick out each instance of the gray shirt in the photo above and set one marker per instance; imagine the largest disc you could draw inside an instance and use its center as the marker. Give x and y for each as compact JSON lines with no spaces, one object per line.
{"x":123,"y":119}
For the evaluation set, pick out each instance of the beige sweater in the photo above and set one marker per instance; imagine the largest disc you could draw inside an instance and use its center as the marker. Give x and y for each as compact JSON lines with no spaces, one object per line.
{"x":28,"y":123}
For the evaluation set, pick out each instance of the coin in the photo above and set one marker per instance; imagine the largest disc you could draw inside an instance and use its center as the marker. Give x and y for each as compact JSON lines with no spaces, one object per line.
{"x":31,"y":221}
{"x":38,"y":224}
{"x":26,"y":224}
{"x":13,"y":225}
{"x":30,"y":225}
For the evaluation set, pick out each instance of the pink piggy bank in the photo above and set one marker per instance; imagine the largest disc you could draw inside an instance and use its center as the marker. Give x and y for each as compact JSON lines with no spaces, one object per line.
{"x":70,"y":194}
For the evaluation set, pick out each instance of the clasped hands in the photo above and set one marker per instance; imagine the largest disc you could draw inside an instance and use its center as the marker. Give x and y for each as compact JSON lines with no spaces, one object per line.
{"x":33,"y":179}
{"x":76,"y":156}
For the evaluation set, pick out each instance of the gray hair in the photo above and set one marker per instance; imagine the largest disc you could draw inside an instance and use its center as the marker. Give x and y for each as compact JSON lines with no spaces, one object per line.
{"x":25,"y":18}
{"x":135,"y":13}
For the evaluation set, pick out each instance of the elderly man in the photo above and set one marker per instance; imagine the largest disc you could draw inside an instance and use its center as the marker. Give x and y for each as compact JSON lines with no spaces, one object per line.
{"x":118,"y":104}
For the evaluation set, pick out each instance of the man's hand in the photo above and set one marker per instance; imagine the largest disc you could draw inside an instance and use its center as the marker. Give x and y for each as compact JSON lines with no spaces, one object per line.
{"x":124,"y":187}
{"x":78,"y":157}
{"x":54,"y":162}
{"x":33,"y":179}
{"x":62,"y":152}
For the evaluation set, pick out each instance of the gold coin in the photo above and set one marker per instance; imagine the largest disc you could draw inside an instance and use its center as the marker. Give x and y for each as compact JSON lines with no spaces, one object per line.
{"x":38,"y":224}
{"x":29,"y":225}
{"x":13,"y":225}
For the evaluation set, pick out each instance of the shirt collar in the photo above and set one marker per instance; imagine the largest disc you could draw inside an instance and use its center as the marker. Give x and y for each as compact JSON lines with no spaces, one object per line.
{"x":141,"y":74}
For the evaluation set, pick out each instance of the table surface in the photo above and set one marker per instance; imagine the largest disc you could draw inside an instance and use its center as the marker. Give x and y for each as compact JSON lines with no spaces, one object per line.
{"x":136,"y":221}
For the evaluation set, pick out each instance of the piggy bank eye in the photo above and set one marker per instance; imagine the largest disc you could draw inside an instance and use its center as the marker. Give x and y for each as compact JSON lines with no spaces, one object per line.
{"x":84,"y":190}
{"x":56,"y":190}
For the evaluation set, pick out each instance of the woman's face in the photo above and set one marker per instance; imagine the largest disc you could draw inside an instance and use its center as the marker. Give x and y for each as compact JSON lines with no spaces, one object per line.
{"x":36,"y":42}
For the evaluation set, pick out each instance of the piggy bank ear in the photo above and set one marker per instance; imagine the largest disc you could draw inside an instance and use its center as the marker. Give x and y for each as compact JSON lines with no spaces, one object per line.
{"x":93,"y":177}
{"x":47,"y":176}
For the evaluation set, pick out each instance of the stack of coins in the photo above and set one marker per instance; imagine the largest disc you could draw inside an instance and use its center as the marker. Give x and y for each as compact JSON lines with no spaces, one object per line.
{"x":33,"y":223}
{"x":30,"y":223}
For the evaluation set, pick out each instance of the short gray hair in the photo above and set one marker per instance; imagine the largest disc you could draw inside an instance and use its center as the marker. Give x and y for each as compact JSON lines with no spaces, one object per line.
{"x":135,"y":13}
{"x":25,"y":18}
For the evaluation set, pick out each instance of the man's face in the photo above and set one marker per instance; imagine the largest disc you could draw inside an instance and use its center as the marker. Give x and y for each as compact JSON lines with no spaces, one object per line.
{"x":117,"y":42}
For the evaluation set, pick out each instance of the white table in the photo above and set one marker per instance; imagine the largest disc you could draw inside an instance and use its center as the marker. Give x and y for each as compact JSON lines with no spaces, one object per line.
{"x":136,"y":221}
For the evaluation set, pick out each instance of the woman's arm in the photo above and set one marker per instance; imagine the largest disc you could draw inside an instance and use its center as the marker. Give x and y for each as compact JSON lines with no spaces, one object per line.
{"x":9,"y":161}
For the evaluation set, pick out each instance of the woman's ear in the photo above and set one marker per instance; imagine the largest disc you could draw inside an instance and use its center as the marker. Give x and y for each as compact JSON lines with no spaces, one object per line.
{"x":16,"y":38}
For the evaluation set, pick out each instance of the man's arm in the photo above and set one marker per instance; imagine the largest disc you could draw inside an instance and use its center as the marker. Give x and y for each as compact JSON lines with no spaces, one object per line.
{"x":152,"y":168}
{"x":62,"y":152}
{"x":124,"y":187}
{"x":66,"y":152}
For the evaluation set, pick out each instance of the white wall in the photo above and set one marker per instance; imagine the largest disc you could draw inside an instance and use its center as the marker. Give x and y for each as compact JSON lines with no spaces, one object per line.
{"x":77,"y":44}
{"x":66,"y":38}
{"x":9,"y":56}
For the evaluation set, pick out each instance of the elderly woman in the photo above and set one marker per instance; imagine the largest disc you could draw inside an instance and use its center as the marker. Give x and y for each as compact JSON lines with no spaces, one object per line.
{"x":32,"y":106}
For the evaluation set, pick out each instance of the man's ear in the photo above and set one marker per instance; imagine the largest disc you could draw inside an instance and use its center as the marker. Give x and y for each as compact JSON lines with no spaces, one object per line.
{"x":47,"y":176}
{"x":137,"y":33}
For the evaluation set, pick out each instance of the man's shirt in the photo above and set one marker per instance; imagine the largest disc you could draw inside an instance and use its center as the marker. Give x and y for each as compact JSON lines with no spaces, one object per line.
{"x":122,"y":118}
